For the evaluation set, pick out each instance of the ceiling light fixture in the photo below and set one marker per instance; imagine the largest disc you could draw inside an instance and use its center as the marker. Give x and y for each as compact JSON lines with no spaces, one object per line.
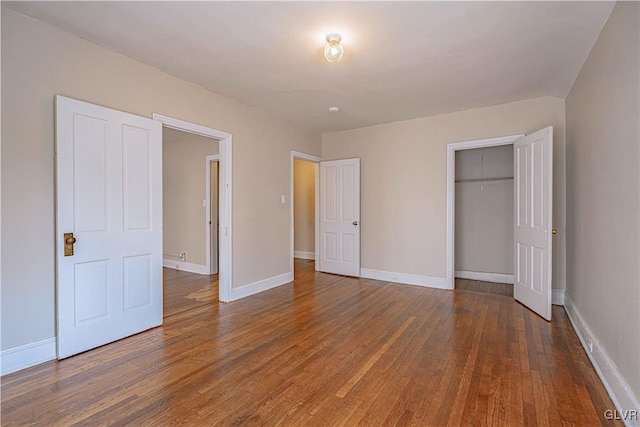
{"x":334,"y":109}
{"x":333,"y":51}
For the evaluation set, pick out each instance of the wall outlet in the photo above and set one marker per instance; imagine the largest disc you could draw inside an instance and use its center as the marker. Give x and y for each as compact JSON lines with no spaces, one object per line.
{"x":590,"y":345}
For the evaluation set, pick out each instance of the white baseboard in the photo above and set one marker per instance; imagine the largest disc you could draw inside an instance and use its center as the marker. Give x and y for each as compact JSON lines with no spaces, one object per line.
{"x":25,"y":356}
{"x":557,"y":297}
{"x":304,"y":255}
{"x":485,"y":277}
{"x":404,"y":278}
{"x":260,"y":286}
{"x":185,"y":266}
{"x":621,"y":394}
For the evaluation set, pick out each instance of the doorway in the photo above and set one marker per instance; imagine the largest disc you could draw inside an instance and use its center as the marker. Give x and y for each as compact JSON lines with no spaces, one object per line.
{"x":451,"y":192}
{"x":304,"y":196}
{"x":532,"y":215}
{"x":225,"y":191}
{"x":484,"y":219}
{"x":187,"y":202}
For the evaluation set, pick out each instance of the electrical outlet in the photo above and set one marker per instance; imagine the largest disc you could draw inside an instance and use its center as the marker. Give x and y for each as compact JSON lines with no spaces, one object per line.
{"x":590,"y":344}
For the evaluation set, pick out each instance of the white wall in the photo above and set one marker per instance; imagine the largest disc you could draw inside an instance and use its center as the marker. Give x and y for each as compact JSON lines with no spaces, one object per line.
{"x":183,"y":189}
{"x":603,"y":189}
{"x":484,"y":210}
{"x":404,"y":180}
{"x":38,"y":62}
{"x":304,"y":192}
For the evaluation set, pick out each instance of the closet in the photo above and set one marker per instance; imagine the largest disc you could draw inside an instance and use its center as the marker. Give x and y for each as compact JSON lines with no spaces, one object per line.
{"x":484,"y":204}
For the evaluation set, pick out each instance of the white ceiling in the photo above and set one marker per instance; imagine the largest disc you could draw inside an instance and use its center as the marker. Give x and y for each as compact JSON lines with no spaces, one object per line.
{"x":402,"y":59}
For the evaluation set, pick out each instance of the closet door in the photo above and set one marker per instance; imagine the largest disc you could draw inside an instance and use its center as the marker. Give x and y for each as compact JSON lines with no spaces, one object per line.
{"x":533,"y":167}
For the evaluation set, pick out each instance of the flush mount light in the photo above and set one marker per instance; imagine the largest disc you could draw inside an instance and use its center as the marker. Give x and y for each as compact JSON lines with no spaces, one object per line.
{"x":333,"y":51}
{"x":334,"y":109}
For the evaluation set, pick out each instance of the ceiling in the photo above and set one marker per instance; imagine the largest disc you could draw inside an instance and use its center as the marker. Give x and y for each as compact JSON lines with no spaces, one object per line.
{"x":402,"y":59}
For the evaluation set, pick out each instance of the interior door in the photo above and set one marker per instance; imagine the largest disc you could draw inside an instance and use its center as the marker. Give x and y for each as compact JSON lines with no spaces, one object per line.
{"x":213,"y":215}
{"x":340,"y":217}
{"x":109,"y":195}
{"x":533,"y":168}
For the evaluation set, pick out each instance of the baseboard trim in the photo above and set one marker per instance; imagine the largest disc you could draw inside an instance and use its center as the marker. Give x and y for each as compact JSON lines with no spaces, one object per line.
{"x":557,"y":297}
{"x":485,"y":277}
{"x":185,"y":266}
{"x":404,"y":278}
{"x":260,"y":286}
{"x":25,"y":356}
{"x":621,"y":394}
{"x":304,"y":255}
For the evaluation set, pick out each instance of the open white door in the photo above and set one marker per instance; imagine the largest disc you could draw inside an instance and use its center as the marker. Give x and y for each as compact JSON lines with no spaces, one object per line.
{"x":533,"y":168}
{"x":340,"y":217}
{"x":213,"y":214}
{"x":109,"y":195}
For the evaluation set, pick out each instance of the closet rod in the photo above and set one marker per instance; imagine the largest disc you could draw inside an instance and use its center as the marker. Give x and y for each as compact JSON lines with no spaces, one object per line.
{"x":506,"y":178}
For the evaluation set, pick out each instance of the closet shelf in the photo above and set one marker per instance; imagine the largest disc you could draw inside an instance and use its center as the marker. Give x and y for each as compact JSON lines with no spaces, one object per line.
{"x":505,"y":178}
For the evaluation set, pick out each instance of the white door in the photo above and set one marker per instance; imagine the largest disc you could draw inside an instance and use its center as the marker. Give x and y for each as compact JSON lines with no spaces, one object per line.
{"x":109,"y":195}
{"x":533,"y":168}
{"x":340,"y":217}
{"x":213,"y":215}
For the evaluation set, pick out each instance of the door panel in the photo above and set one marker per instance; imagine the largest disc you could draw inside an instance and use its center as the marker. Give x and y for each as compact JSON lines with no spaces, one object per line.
{"x":91,"y":286}
{"x":137,"y":185}
{"x":109,"y":195}
{"x":90,"y":162}
{"x":533,"y":161}
{"x":137,"y":281}
{"x":340,"y":217}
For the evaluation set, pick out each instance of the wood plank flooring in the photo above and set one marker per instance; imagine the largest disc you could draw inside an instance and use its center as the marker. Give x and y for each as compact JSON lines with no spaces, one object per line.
{"x":484,"y":287}
{"x":324,"y":351}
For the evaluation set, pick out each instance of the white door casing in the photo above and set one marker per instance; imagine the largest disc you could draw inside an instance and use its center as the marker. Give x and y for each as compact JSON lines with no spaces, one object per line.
{"x":533,"y":171}
{"x":109,"y":194}
{"x":340,"y":217}
{"x":225,"y":196}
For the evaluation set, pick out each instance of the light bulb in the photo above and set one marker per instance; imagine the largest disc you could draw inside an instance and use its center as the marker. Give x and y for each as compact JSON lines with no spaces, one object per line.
{"x":333,"y":51}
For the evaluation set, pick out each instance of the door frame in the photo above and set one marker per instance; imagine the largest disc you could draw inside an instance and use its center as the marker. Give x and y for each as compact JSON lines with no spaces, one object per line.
{"x":451,"y":192}
{"x":225,"y":197}
{"x":207,"y":214}
{"x":314,"y":159}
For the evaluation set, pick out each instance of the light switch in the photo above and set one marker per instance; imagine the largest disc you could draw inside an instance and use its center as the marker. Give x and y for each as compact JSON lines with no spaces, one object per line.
{"x":204,"y":203}
{"x":283,"y":199}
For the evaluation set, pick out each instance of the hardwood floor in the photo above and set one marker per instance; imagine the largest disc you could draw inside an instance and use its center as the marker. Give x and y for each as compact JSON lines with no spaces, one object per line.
{"x":484,"y":287}
{"x":326,"y":350}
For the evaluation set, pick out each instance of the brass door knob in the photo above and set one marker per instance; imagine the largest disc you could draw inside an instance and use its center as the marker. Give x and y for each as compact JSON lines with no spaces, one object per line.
{"x":554,"y":231}
{"x":69,"y":240}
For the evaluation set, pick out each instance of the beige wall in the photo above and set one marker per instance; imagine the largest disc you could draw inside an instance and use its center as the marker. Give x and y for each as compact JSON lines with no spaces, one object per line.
{"x":484,"y":210}
{"x":304,"y":193}
{"x":404,"y":188}
{"x":183,"y":190}
{"x":603,"y":188}
{"x":39,"y":62}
